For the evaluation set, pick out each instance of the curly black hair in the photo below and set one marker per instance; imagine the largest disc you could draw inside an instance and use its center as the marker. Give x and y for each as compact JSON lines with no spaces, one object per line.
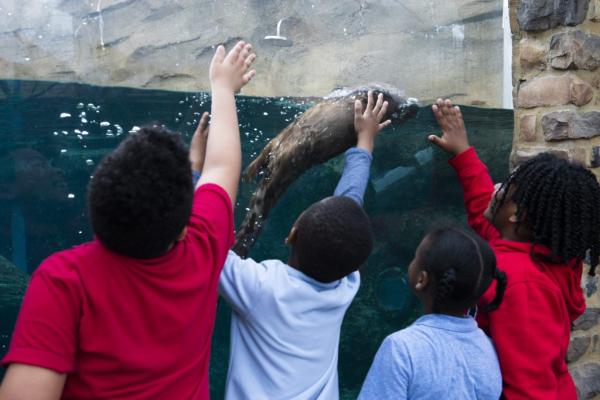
{"x":140,"y":196}
{"x":462,"y":267}
{"x":558,"y":200}
{"x":333,"y":239}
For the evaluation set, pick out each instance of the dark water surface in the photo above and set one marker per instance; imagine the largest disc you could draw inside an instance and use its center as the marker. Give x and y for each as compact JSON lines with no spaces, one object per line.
{"x":53,"y":135}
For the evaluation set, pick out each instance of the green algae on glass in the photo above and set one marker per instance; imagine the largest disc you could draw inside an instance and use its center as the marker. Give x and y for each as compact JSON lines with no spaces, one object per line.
{"x":54,"y":134}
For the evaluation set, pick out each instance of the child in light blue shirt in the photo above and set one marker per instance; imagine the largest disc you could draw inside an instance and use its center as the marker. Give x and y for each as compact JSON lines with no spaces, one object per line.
{"x":286,"y":320}
{"x":443,"y":355}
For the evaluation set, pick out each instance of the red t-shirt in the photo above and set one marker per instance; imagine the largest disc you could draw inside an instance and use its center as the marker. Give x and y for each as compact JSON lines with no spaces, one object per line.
{"x":531,"y":328}
{"x":125,"y":328}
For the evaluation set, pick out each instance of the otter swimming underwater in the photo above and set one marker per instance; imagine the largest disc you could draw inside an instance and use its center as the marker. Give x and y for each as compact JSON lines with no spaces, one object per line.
{"x":319,"y":134}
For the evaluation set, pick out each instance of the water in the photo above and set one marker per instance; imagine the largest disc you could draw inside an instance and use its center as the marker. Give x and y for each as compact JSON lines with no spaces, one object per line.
{"x":53,"y":135}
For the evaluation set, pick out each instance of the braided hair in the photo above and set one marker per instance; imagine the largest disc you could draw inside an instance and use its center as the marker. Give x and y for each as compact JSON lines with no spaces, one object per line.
{"x":558,"y":201}
{"x":462,"y":266}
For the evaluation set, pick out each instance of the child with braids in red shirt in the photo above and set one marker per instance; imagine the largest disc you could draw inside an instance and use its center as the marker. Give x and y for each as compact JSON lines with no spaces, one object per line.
{"x":541,"y":222}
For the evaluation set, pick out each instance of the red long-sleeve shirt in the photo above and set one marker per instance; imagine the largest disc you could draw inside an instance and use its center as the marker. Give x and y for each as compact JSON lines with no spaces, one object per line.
{"x":531,"y":328}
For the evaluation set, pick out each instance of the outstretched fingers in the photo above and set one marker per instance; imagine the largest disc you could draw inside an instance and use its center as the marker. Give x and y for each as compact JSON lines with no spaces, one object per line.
{"x":438,"y":112}
{"x":358,"y":108}
{"x":369,"y":102}
{"x":203,"y":124}
{"x":219,"y":56}
{"x":385,"y":124}
{"x":437,"y":140}
{"x":459,"y":118}
{"x":382,"y":111}
{"x":234,"y":54}
{"x":247,"y":77}
{"x":249,"y":60}
{"x":378,"y":104}
{"x":244,"y":55}
{"x":454,"y":138}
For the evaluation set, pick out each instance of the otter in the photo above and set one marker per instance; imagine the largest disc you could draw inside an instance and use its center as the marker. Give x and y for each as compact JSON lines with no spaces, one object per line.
{"x":319,"y":134}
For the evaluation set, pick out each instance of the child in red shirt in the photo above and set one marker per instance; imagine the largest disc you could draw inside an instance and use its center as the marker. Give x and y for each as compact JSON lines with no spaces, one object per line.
{"x":130,"y":315}
{"x":540,"y":222}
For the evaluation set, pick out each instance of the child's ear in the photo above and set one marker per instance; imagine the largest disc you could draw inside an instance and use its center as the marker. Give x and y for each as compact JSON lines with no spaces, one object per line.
{"x":181,"y":236}
{"x":514,"y":218}
{"x":291,"y":237}
{"x":422,"y":281}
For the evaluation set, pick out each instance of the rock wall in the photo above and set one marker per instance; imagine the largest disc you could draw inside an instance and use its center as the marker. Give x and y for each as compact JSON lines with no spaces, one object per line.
{"x":430,"y":48}
{"x":556,"y":76}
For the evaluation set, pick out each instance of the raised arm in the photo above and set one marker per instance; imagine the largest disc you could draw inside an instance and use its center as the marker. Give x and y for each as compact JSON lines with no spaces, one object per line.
{"x":475,"y":179}
{"x":228,"y":74}
{"x":198,"y":147}
{"x":367,"y":124}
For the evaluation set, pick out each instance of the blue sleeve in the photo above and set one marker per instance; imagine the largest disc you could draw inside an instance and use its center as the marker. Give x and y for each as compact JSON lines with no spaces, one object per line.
{"x":355,"y":177}
{"x":241,"y":283}
{"x":390,"y":374}
{"x":195,"y":177}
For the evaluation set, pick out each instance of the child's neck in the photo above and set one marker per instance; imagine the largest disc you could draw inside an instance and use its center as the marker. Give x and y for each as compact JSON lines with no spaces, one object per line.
{"x":521,"y":235}
{"x":428,"y":309}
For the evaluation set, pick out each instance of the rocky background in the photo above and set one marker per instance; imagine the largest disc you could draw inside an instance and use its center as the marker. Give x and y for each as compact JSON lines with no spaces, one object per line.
{"x":556,"y":75}
{"x":430,"y":48}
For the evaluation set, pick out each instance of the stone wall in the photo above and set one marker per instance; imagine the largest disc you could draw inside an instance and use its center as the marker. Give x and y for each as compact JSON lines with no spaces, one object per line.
{"x":556,"y":76}
{"x":429,"y":48}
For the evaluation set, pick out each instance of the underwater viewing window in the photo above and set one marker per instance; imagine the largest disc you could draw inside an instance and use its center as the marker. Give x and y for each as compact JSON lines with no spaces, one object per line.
{"x":76,"y":77}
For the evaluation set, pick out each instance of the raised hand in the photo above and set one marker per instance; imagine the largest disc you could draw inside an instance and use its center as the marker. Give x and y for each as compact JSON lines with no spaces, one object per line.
{"x":454,"y":139}
{"x":198,"y":145}
{"x":367,"y":121}
{"x":232,"y":71}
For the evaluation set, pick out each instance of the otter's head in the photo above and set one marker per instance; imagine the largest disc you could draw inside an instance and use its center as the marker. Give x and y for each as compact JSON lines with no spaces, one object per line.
{"x":400,"y":108}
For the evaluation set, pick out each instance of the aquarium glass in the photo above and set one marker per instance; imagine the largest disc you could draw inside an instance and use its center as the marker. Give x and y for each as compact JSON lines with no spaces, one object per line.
{"x":77,"y":76}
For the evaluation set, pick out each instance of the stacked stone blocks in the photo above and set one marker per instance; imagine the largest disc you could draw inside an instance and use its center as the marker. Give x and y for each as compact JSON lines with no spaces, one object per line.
{"x":556,"y":80}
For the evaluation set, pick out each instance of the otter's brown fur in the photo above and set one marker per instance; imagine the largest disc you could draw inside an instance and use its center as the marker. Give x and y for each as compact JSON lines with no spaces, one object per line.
{"x":319,"y":134}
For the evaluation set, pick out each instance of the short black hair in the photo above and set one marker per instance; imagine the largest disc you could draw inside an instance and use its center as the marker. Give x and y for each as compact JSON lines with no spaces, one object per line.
{"x":140,"y":196}
{"x":462,"y":266}
{"x":558,"y":200}
{"x":333,"y":239}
